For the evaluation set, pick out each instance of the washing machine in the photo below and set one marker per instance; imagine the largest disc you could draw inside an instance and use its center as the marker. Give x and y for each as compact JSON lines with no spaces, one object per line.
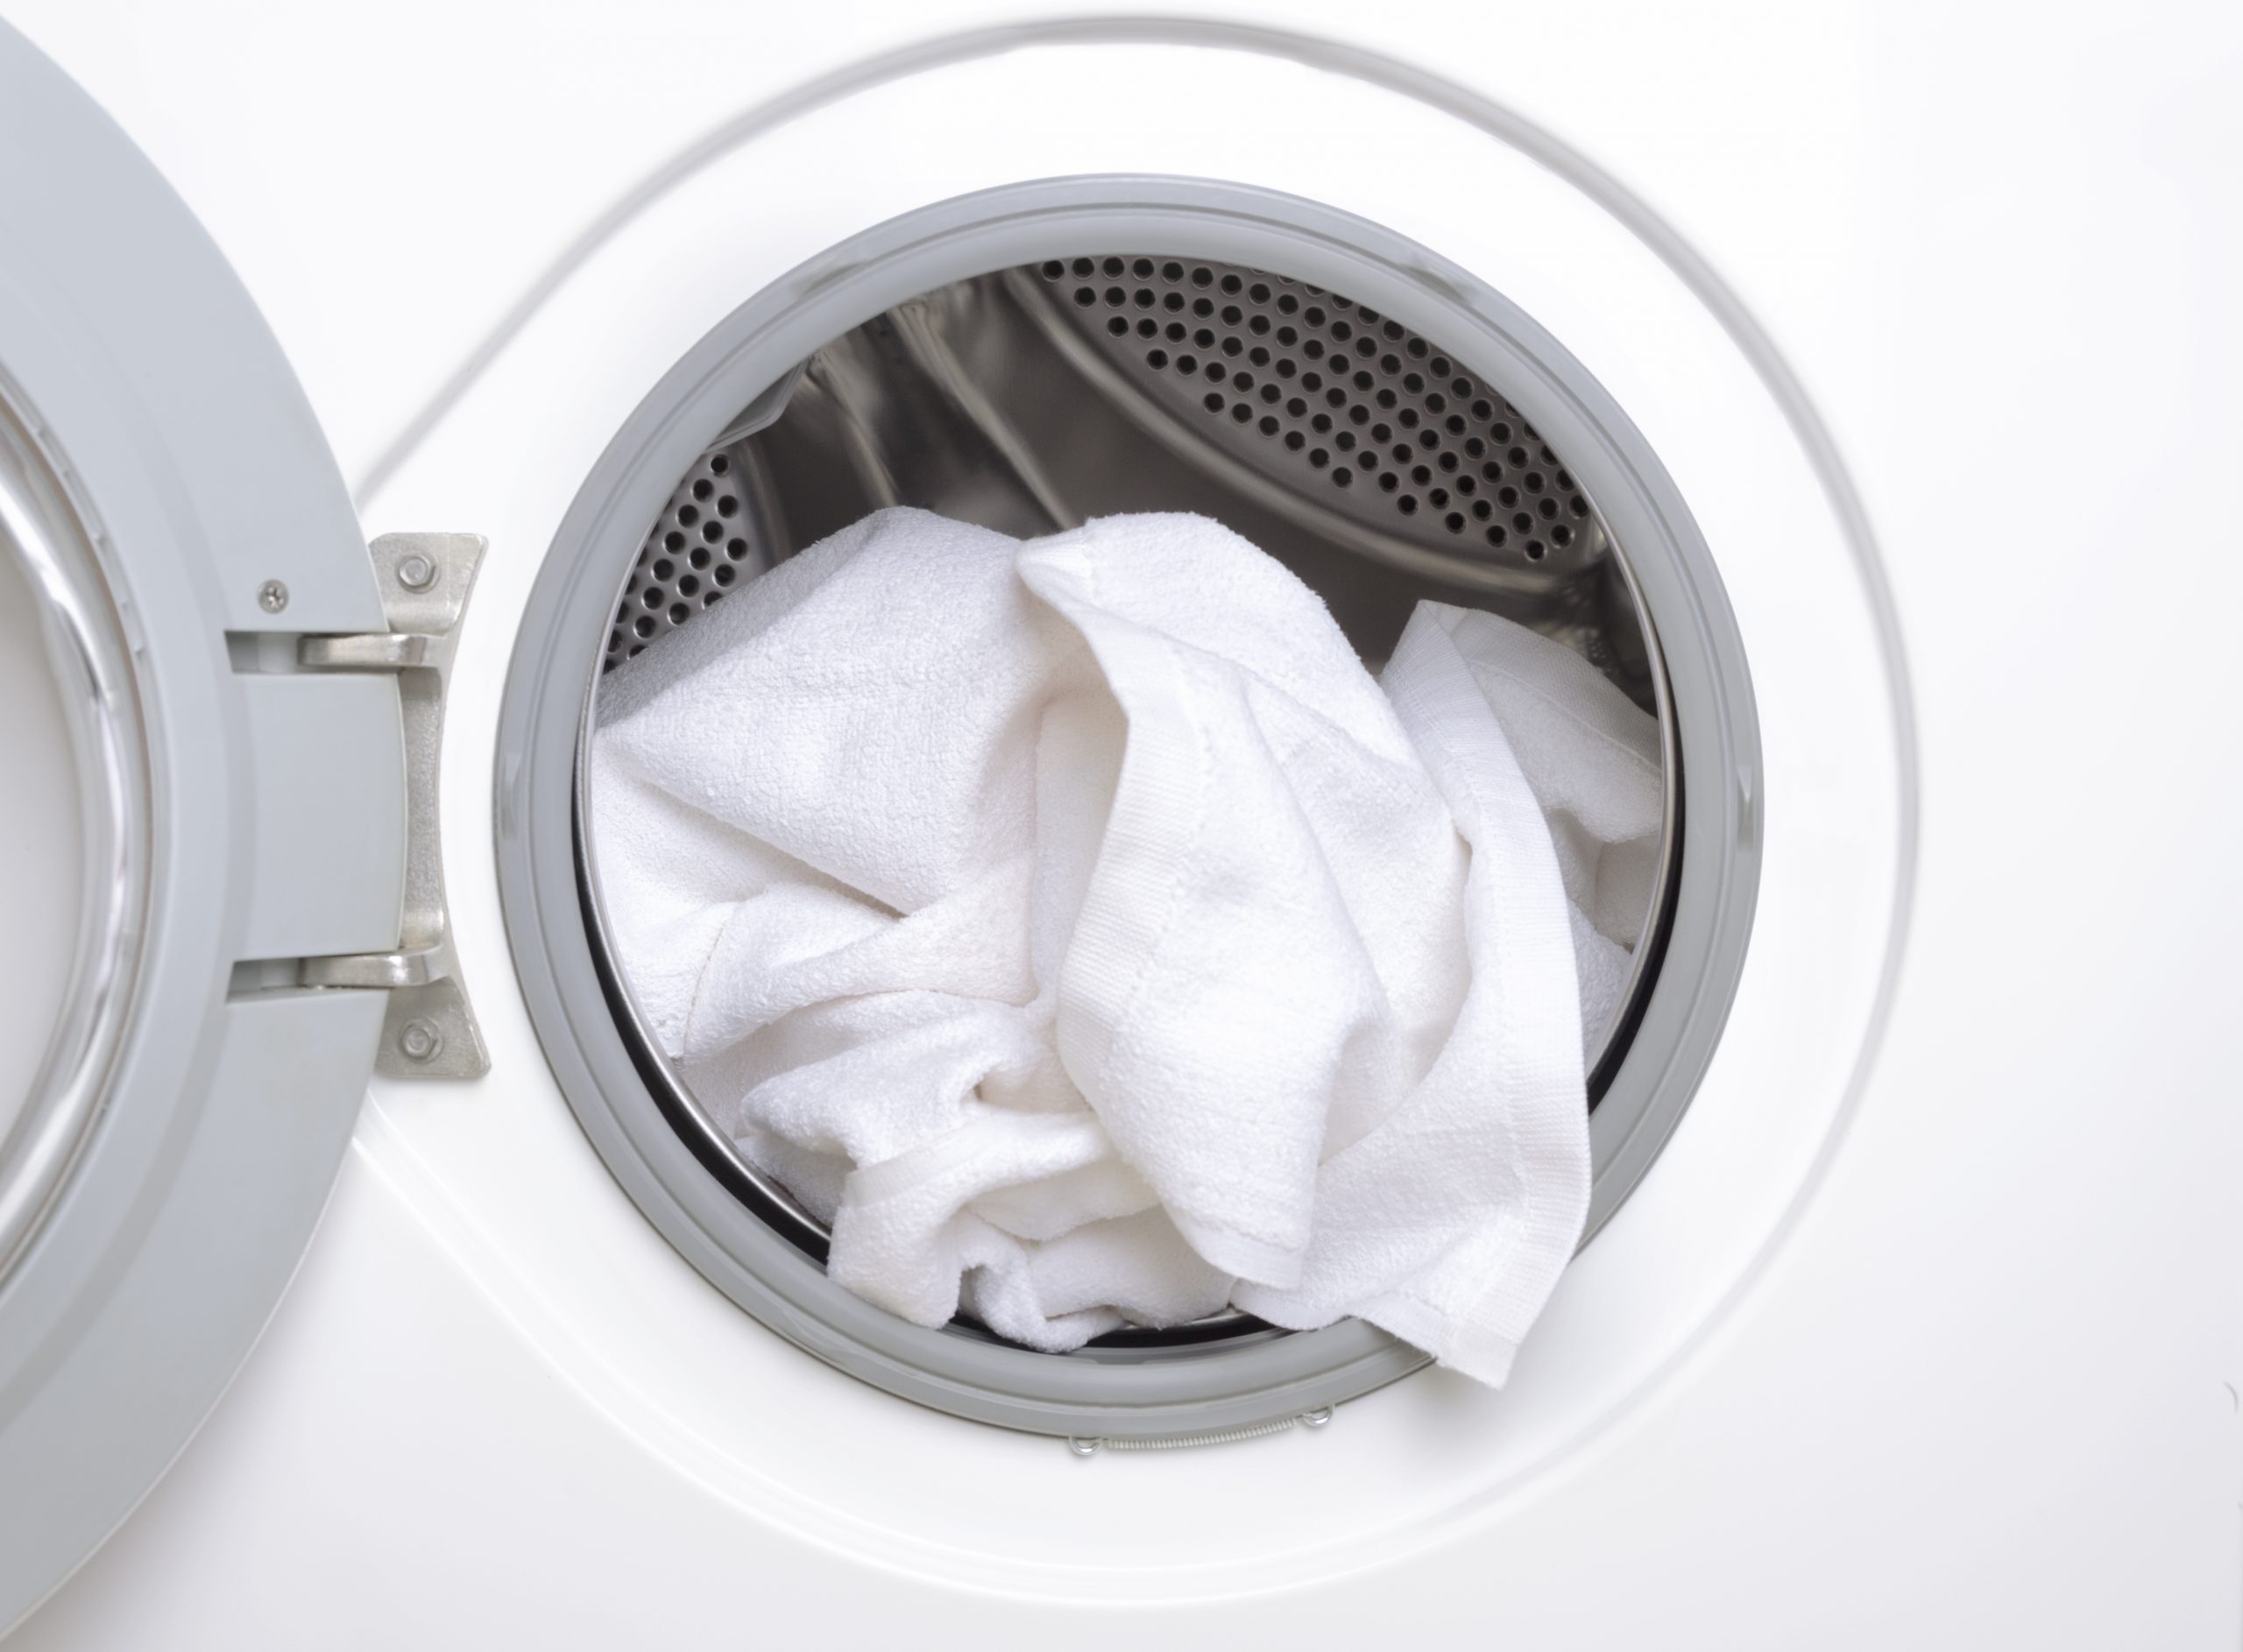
{"x":1852,"y":385}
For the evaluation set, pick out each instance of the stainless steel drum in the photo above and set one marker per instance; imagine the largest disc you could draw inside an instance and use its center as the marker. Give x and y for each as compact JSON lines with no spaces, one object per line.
{"x":1027,"y":400}
{"x":1349,"y":448}
{"x":1031,"y":399}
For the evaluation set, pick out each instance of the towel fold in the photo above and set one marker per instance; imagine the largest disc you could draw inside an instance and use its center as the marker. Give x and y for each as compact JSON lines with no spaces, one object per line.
{"x":1078,"y":930}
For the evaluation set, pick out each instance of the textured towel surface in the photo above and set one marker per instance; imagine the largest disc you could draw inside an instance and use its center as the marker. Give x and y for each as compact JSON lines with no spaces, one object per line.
{"x":1078,"y":928}
{"x":1592,"y":757}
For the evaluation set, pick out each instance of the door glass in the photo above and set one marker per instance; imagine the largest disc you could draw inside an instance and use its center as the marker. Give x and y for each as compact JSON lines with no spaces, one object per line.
{"x":73,"y":830}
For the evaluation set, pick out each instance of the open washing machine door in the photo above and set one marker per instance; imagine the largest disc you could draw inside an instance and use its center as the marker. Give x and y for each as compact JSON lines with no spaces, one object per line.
{"x":220,"y":868}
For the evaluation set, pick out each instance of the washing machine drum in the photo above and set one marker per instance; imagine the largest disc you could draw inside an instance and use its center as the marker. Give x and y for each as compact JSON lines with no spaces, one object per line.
{"x":1031,"y":399}
{"x":1026,"y":360}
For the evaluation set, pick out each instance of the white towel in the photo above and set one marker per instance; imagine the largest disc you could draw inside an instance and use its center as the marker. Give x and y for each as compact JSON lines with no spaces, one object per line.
{"x":1078,"y":928}
{"x":1592,"y":757}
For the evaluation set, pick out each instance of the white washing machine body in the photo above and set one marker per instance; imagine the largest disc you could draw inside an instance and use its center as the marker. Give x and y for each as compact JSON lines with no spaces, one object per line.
{"x":1924,"y":1324}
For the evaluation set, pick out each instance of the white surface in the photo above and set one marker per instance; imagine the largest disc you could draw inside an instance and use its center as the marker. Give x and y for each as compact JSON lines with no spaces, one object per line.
{"x":1979,"y":1394}
{"x":41,"y":827}
{"x":1080,"y":933}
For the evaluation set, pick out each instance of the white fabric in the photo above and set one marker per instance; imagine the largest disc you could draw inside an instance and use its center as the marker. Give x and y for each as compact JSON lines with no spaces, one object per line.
{"x":1592,"y":756}
{"x":1078,"y":928}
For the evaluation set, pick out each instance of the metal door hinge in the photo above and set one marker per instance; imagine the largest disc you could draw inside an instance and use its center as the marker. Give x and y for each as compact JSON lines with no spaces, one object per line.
{"x":429,"y":1031}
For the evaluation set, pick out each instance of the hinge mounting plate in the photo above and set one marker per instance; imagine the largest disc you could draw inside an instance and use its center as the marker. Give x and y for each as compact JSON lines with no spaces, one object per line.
{"x":429,"y":1031}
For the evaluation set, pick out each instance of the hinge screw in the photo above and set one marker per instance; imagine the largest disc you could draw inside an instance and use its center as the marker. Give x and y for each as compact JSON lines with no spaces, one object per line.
{"x":272,"y":597}
{"x":416,"y":572}
{"x":420,"y":1040}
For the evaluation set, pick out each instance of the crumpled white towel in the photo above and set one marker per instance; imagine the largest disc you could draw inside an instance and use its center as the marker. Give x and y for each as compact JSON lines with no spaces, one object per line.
{"x":1078,"y":928}
{"x":1591,"y":755}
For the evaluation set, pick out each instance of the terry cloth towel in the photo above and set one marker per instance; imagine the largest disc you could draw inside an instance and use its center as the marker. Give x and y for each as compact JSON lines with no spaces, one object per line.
{"x":1591,"y":756}
{"x":1078,"y":930}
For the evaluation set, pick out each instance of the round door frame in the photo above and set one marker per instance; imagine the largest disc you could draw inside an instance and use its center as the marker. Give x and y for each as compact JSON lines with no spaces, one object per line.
{"x":180,"y":469}
{"x":603,"y":1063}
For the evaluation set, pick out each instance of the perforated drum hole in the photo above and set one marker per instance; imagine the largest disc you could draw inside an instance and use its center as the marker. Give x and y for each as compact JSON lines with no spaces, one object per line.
{"x":678,"y":572}
{"x":1394,"y":381}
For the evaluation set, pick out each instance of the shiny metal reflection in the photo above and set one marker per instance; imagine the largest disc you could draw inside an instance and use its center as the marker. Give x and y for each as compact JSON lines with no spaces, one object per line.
{"x":46,"y":528}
